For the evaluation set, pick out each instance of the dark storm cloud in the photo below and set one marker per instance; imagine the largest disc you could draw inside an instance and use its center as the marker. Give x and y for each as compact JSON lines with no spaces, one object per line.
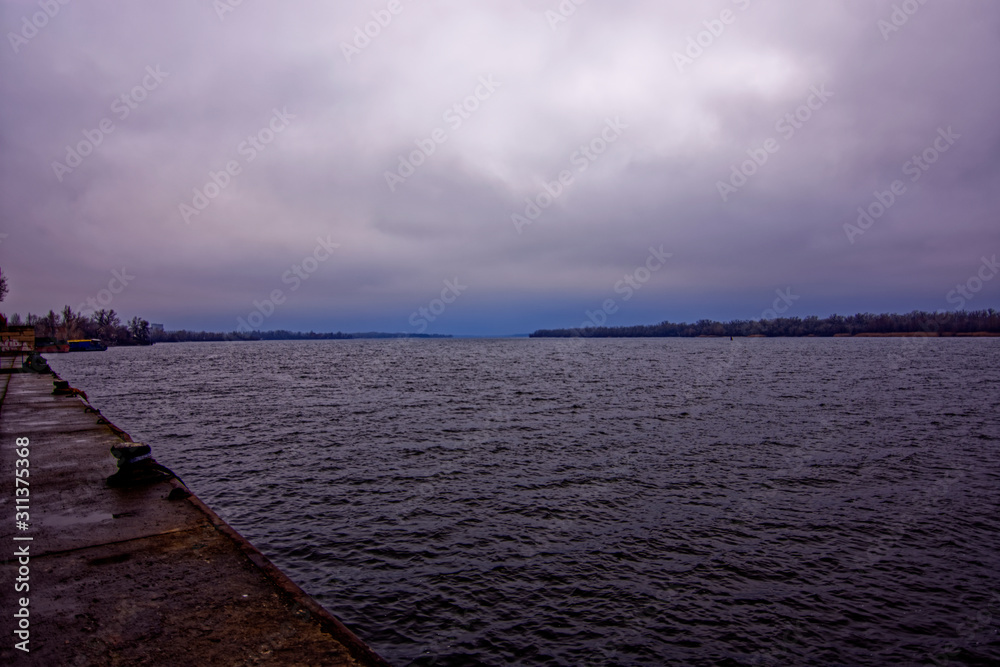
{"x":319,"y":122}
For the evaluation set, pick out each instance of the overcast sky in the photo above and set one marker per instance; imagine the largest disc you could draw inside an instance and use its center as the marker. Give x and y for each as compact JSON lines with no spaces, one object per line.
{"x":359,"y":193}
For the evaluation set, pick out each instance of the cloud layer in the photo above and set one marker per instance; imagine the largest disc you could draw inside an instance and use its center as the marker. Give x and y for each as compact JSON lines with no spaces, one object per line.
{"x":427,"y":139}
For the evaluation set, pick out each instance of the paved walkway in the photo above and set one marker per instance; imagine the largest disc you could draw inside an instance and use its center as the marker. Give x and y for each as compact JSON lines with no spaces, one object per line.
{"x":126,"y":576}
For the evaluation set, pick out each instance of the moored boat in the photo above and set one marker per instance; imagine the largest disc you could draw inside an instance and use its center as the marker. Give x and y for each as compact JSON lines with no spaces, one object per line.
{"x":87,"y":345}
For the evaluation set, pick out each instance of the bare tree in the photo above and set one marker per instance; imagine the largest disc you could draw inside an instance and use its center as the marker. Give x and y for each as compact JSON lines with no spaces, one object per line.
{"x":3,"y":293}
{"x":51,"y":322}
{"x":70,"y":327}
{"x":138,"y":329}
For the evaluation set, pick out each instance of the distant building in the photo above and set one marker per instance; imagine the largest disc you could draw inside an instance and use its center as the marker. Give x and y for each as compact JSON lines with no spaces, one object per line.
{"x":156,"y":327}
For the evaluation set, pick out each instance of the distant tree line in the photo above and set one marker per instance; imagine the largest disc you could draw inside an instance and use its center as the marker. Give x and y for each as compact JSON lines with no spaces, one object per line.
{"x":952,"y":323}
{"x":183,"y":336}
{"x":102,"y":324}
{"x":108,"y":327}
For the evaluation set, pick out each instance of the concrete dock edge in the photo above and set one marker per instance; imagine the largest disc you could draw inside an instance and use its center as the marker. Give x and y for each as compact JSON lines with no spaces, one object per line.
{"x":134,"y":576}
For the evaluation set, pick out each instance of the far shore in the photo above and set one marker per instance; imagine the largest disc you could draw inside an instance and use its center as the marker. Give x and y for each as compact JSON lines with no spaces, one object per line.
{"x":899,"y":334}
{"x":922,"y":334}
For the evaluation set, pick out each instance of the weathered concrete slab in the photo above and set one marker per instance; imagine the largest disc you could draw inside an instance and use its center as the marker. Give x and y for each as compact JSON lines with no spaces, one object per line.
{"x":128,"y":577}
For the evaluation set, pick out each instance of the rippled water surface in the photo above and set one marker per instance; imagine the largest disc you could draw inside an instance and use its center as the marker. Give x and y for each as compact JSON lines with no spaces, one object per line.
{"x":600,"y":502}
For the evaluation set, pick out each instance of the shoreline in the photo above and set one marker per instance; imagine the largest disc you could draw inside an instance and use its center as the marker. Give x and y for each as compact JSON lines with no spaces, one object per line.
{"x":145,"y":568}
{"x":901,"y":334}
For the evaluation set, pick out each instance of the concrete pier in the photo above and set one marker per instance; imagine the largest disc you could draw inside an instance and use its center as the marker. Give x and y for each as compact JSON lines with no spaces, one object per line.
{"x":126,"y":576}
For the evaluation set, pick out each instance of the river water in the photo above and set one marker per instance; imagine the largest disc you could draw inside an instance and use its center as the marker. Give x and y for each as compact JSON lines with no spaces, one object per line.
{"x":600,"y":502}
